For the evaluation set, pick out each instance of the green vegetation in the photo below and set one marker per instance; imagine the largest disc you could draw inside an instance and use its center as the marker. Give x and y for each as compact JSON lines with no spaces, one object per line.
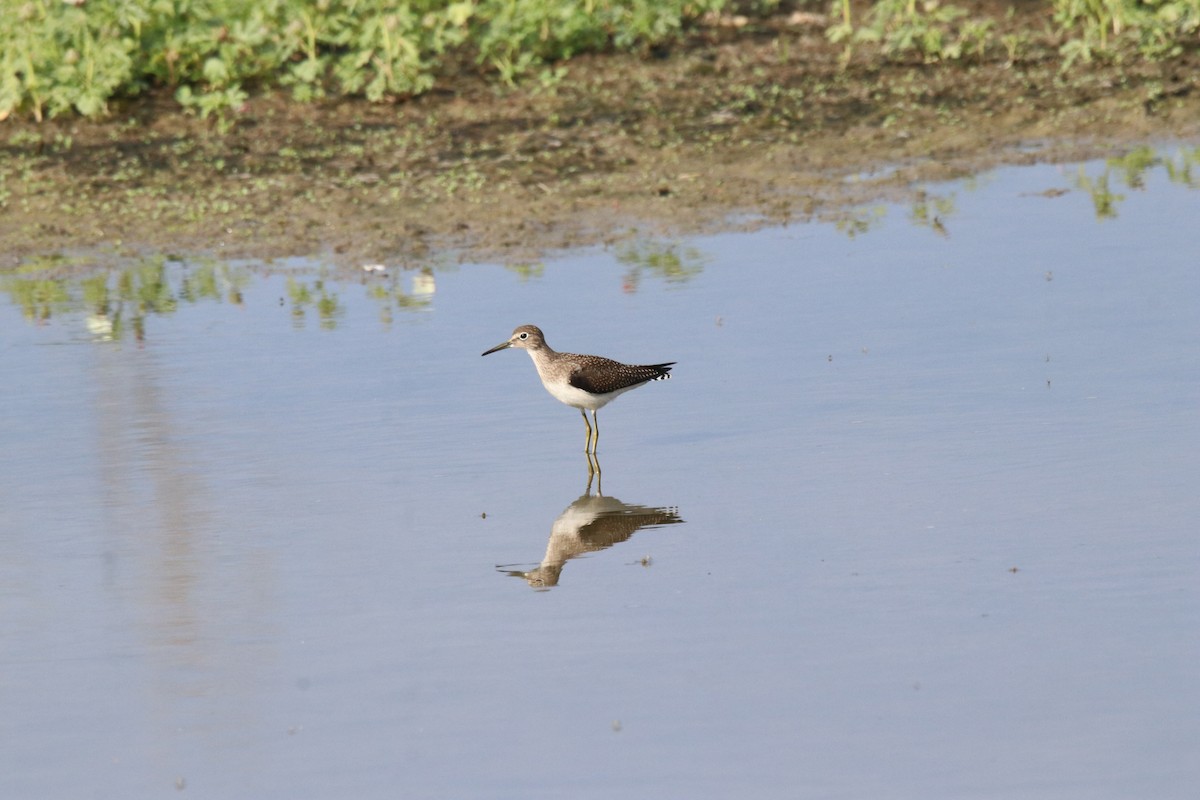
{"x":932,"y":30}
{"x":1153,"y":28}
{"x":1086,"y":29}
{"x":59,"y":56}
{"x":746,"y":114}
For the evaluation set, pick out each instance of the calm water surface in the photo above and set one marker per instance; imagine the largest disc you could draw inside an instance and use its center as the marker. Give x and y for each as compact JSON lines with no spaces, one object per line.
{"x":915,"y":518}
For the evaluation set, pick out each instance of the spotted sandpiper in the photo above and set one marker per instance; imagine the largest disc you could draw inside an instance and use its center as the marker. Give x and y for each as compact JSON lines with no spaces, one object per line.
{"x":583,"y":382}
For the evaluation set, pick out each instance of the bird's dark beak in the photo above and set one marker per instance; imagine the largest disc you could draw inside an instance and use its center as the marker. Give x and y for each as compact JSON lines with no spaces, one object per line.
{"x":500,"y":346}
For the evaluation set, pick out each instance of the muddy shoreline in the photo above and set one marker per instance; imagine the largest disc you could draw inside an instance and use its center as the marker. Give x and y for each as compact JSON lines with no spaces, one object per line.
{"x":730,"y":129}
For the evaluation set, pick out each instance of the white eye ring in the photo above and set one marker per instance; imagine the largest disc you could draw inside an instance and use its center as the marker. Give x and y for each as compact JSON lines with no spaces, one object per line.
{"x":524,"y":336}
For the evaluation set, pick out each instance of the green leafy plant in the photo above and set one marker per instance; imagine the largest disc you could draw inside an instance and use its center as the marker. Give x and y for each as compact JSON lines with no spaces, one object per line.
{"x":1108,"y":28}
{"x":927,"y":28}
{"x":843,"y":30}
{"x":1088,"y":29}
{"x":71,"y":55}
{"x":57,"y":56}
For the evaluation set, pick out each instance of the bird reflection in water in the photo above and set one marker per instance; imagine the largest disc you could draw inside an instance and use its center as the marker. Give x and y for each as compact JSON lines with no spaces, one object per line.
{"x":592,"y":523}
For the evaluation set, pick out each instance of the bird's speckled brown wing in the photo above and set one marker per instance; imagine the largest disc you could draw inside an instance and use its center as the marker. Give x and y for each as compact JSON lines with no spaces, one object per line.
{"x":603,"y":375}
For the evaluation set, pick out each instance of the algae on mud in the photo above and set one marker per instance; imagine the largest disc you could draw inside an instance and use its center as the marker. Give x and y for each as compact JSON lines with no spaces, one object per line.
{"x":730,"y":128}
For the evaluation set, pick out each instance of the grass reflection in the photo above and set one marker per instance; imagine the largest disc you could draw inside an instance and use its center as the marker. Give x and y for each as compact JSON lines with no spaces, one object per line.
{"x":317,"y":297}
{"x":1106,"y":183}
{"x":1131,"y":171}
{"x":930,"y":211}
{"x":38,"y":298}
{"x":858,"y":221}
{"x":527,"y":270}
{"x":117,"y":302}
{"x":391,"y":296}
{"x":666,"y":261}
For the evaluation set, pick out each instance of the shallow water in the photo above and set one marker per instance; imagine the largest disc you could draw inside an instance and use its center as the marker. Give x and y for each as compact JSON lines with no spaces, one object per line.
{"x":914,"y":518}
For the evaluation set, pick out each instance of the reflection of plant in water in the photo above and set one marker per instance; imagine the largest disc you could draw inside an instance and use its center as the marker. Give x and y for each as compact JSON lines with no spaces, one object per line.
{"x":214,"y":282}
{"x":527,"y":269}
{"x":116,"y":300}
{"x":929,"y":211}
{"x":39,"y":298}
{"x":1180,"y":171}
{"x":145,"y":289}
{"x":857,"y":221}
{"x":1132,"y":170}
{"x":668,"y":262}
{"x":1103,"y":198}
{"x":33,"y":286}
{"x":326,"y":303}
{"x":392,"y":296}
{"x":1133,"y":166}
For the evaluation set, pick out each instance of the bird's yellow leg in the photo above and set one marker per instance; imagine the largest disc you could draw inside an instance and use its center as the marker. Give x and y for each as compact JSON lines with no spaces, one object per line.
{"x":587,"y":442}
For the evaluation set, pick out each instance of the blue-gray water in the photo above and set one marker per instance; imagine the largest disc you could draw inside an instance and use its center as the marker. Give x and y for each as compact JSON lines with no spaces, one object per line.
{"x":931,"y":517}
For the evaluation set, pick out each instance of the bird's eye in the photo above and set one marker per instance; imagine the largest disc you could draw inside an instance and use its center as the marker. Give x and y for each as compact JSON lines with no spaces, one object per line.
{"x":523,"y":336}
